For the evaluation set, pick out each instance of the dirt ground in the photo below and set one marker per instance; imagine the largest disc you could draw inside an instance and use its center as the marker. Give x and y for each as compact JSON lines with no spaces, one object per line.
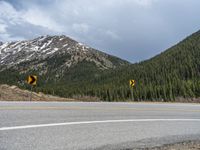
{"x":13,"y":93}
{"x":189,"y":145}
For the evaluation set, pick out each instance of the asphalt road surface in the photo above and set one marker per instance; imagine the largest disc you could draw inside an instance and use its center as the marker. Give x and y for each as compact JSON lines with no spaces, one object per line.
{"x":77,"y":125}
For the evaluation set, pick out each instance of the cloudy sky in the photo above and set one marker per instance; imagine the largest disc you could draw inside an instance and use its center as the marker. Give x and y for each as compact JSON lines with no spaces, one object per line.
{"x":131,"y":29}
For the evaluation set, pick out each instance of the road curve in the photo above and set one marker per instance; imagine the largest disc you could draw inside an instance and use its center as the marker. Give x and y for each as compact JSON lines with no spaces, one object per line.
{"x":78,"y":125}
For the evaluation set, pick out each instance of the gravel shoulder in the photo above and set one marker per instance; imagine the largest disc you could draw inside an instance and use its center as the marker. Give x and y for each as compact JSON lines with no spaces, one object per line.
{"x":187,"y":145}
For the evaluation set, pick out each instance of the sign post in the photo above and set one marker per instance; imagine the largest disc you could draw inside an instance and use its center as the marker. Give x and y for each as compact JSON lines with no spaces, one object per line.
{"x":31,"y":93}
{"x":32,"y":80}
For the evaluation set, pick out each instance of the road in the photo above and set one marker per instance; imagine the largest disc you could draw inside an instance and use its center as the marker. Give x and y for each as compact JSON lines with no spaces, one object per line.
{"x":78,"y":125}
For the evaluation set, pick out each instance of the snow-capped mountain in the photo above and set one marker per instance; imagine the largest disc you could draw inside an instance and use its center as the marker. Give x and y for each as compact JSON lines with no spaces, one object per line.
{"x":35,"y":51}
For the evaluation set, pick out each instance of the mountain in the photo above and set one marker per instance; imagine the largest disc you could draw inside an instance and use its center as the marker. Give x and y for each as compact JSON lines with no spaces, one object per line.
{"x":45,"y":48}
{"x":78,"y":71}
{"x":53,"y":59}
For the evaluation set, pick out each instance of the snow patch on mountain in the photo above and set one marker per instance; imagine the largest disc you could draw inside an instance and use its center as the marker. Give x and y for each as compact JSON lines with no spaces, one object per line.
{"x":47,"y":47}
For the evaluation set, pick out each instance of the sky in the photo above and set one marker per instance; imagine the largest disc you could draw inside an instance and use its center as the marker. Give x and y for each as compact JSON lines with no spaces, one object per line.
{"x":134,"y":30}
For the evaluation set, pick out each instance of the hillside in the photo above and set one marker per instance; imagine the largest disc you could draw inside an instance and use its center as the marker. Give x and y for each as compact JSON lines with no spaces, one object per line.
{"x":53,"y":59}
{"x":44,"y":51}
{"x":173,"y":75}
{"x":13,"y":93}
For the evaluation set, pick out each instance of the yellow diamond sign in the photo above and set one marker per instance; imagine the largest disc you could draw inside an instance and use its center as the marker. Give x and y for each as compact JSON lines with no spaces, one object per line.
{"x":32,"y":79}
{"x":132,"y":83}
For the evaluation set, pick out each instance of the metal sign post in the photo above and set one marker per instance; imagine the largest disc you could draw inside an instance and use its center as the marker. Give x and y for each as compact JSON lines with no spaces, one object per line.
{"x":31,"y":93}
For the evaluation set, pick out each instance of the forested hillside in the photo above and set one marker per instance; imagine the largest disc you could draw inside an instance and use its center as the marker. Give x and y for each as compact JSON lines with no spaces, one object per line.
{"x":173,"y":74}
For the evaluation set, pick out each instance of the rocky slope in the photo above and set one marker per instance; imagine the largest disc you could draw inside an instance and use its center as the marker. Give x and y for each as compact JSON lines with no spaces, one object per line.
{"x":37,"y":52}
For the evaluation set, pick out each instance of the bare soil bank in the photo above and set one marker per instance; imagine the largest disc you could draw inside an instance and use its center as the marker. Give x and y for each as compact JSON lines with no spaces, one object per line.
{"x":189,"y":145}
{"x":13,"y":93}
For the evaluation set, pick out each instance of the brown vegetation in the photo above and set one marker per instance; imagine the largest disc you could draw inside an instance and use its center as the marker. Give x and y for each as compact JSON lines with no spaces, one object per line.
{"x":13,"y":93}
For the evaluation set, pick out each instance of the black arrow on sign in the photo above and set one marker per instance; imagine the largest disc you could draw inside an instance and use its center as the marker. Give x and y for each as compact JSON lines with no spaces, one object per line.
{"x":132,"y":82}
{"x":32,"y":79}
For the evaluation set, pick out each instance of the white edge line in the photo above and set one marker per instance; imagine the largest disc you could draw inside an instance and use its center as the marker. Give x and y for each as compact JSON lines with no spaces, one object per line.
{"x":95,"y":122}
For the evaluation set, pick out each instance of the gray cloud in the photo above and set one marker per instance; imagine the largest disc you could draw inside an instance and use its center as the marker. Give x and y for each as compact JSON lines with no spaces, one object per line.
{"x":131,"y":29}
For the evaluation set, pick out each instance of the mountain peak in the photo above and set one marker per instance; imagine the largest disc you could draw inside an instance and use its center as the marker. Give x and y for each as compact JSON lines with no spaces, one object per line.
{"x":54,"y":47}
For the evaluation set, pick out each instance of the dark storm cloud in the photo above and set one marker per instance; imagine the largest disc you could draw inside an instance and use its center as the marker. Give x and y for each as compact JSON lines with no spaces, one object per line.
{"x":131,"y":29}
